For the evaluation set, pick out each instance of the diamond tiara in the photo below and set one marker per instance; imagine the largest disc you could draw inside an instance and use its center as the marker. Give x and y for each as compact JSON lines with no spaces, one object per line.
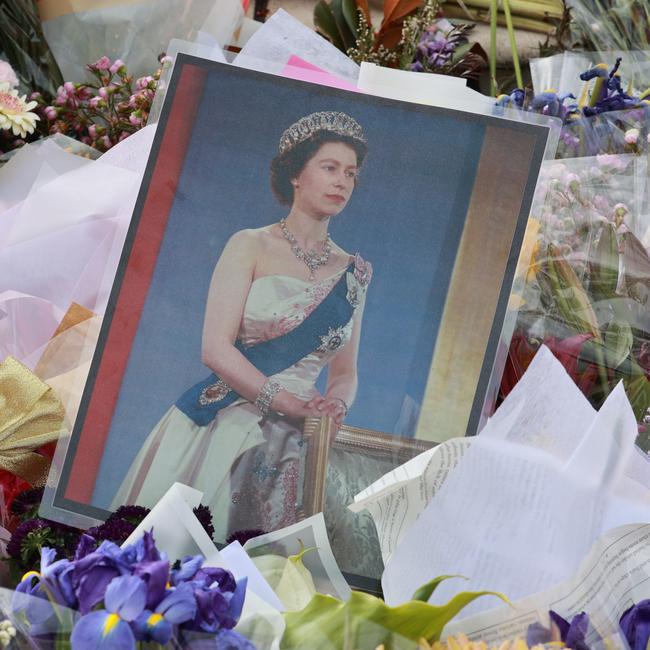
{"x":307,"y":126}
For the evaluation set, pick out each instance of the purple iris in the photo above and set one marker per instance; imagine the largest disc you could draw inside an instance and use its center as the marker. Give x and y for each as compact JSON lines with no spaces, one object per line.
{"x":223,"y":640}
{"x":635,"y":625}
{"x":219,"y":600}
{"x":188,"y":568}
{"x":93,"y":572}
{"x":142,"y":598}
{"x":54,"y":579}
{"x":571,"y":633}
{"x":109,"y":628}
{"x":550,"y":103}
{"x":157,"y":625}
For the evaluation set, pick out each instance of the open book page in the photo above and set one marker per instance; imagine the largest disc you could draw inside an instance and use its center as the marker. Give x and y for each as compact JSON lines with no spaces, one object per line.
{"x":611,"y":579}
{"x":396,"y":500}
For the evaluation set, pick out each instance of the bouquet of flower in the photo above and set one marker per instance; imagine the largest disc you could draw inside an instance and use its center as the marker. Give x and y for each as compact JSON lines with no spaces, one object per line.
{"x":99,"y":113}
{"x":585,"y":280}
{"x":128,"y":595}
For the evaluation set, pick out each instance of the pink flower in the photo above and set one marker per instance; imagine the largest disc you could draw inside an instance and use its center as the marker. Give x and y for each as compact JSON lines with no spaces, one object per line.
{"x":135,"y":118}
{"x":105,"y":140}
{"x":166,"y":59}
{"x":143,"y":82}
{"x":103,"y":92}
{"x":92,"y":131}
{"x":50,"y":112}
{"x":573,"y":182}
{"x":69,"y":88}
{"x":124,"y":136}
{"x":611,"y":160}
{"x":83,"y":92}
{"x":632,"y":136}
{"x":601,"y":203}
{"x":116,"y":66}
{"x":95,"y":102}
{"x":7,"y":74}
{"x":102,"y":64}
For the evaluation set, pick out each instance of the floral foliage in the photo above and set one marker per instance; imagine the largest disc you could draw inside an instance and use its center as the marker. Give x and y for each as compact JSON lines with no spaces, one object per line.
{"x":31,"y":533}
{"x":586,"y":286}
{"x":606,"y":118}
{"x":131,"y":594}
{"x":413,"y":36}
{"x":100,"y":112}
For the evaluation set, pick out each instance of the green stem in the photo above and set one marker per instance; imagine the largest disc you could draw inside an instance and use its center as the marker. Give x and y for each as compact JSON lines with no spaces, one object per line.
{"x":513,"y":43}
{"x":602,"y":370}
{"x":494,"y":9}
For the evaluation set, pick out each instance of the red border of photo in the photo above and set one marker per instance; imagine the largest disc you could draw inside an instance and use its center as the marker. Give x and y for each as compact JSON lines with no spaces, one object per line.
{"x":136,"y":279}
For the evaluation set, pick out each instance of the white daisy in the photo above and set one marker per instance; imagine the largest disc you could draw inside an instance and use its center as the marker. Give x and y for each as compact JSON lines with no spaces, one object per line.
{"x":15,"y":112}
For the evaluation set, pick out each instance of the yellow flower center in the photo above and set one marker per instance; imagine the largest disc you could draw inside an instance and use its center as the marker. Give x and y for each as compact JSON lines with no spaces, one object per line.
{"x":154,"y":619}
{"x":109,"y":624}
{"x":31,"y":574}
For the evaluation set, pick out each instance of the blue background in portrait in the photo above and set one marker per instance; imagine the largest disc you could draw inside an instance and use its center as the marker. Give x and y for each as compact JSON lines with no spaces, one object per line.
{"x":406,"y":217}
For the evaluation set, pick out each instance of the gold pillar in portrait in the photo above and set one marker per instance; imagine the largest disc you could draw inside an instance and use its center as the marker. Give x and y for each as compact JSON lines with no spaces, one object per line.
{"x":476,"y":284}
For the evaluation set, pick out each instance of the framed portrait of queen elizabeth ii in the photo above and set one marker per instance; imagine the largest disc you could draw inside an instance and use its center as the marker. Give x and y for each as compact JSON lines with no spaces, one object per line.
{"x":299,"y":255}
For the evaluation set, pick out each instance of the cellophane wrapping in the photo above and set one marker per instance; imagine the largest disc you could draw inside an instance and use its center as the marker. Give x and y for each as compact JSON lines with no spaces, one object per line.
{"x":583,"y":282}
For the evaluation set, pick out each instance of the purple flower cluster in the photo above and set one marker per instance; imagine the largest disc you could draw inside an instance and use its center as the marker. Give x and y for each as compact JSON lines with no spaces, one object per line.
{"x":441,"y":48}
{"x":611,"y":121}
{"x":132,"y":594}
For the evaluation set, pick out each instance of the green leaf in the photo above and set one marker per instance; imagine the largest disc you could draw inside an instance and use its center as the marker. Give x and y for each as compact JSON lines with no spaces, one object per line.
{"x":426,"y":590}
{"x":326,"y":24}
{"x":345,"y":32}
{"x":351,"y":15}
{"x":637,"y":388}
{"x":618,"y":343}
{"x":329,"y":622}
{"x":604,"y":267}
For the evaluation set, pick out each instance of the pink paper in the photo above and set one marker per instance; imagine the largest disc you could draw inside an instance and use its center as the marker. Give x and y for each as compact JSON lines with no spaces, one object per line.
{"x":297,"y":68}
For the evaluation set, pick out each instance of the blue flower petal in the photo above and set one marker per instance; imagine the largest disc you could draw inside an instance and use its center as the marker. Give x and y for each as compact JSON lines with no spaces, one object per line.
{"x":180,"y":605}
{"x":189,"y":566}
{"x":102,"y":630}
{"x":126,"y":596}
{"x":237,"y":600}
{"x":151,"y":626}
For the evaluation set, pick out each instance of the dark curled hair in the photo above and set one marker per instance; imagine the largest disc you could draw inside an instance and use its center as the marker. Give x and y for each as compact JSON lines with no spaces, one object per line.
{"x":286,"y":166}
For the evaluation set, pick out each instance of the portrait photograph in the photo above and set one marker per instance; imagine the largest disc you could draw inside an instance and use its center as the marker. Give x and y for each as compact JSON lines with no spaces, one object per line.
{"x":305,"y":266}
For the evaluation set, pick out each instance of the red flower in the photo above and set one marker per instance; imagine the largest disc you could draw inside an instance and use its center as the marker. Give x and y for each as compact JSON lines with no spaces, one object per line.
{"x":567,"y":351}
{"x":520,"y":355}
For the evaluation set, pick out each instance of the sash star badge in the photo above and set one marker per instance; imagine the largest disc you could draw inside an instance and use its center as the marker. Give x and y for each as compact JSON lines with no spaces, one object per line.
{"x":332,"y":340}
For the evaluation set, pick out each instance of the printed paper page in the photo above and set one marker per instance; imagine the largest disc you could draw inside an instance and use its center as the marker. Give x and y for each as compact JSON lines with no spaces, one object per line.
{"x":396,"y":500}
{"x":514,"y":518}
{"x":611,"y":579}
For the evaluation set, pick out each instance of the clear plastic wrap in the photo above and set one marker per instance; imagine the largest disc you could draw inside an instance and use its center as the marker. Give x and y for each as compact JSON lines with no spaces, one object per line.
{"x":562,"y":71}
{"x":613,"y":132}
{"x":81,"y":31}
{"x":604,"y":25}
{"x":583,"y":282}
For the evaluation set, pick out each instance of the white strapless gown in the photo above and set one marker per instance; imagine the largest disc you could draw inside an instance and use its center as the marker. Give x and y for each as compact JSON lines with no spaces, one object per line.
{"x":247,"y":466}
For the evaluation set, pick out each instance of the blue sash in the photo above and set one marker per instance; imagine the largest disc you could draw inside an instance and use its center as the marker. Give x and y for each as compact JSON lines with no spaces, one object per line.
{"x":319,"y":331}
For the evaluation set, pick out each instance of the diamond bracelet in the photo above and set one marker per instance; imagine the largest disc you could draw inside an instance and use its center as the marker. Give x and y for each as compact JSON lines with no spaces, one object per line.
{"x":265,"y":396}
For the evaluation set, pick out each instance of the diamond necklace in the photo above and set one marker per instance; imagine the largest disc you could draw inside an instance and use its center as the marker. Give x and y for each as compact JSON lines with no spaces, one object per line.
{"x":312,"y":259}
